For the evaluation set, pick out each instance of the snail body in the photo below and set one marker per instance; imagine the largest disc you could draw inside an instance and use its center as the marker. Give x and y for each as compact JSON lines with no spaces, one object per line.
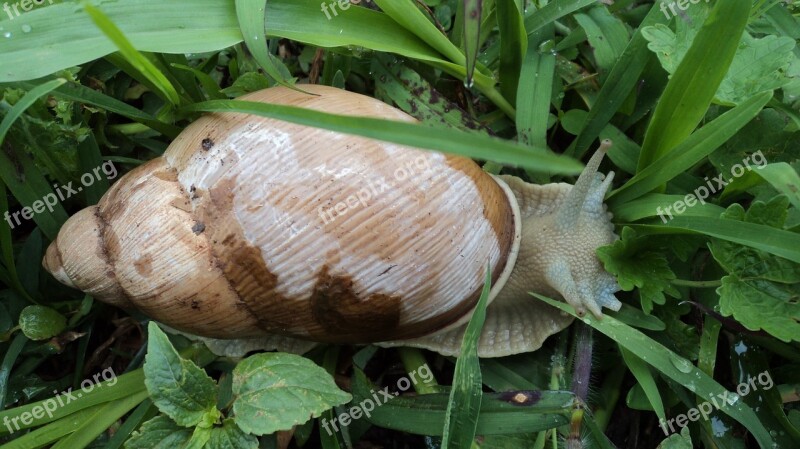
{"x":249,"y":227}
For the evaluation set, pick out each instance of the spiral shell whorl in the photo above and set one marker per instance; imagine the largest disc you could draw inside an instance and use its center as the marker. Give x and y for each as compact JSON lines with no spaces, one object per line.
{"x":231,"y":233}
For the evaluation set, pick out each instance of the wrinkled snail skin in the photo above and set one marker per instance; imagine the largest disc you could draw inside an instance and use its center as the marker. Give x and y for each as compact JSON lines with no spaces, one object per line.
{"x":250,"y":227}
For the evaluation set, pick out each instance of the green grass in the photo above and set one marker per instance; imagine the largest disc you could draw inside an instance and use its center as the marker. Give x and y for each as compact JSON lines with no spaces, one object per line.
{"x":711,"y":297}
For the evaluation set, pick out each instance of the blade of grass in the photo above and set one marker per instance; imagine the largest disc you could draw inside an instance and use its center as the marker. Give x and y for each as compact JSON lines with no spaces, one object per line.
{"x":766,"y":238}
{"x":9,"y":360}
{"x":691,"y":150}
{"x":622,"y":79}
{"x":83,"y":94}
{"x":535,"y":91}
{"x":472,"y":35}
{"x":32,"y":186}
{"x":499,"y":414}
{"x":692,"y":87}
{"x":780,"y":175}
{"x":121,"y":387}
{"x":104,"y":418}
{"x":137,"y":60}
{"x":647,"y":206}
{"x":63,"y":35}
{"x":641,"y":371}
{"x":672,"y":366}
{"x":209,"y":85}
{"x":513,"y":48}
{"x":7,"y":247}
{"x":468,"y":144}
{"x":463,"y":408}
{"x":251,"y":15}
{"x":553,"y":11}
{"x":89,"y":158}
{"x":52,"y":432}
{"x":141,"y":414}
{"x":407,"y":15}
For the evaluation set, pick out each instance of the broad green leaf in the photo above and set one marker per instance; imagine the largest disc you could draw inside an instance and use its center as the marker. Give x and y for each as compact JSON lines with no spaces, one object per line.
{"x":41,"y":323}
{"x":159,"y":433}
{"x":690,"y":90}
{"x":230,"y":436}
{"x":672,"y":366}
{"x":278,"y":391}
{"x":691,"y":151}
{"x":761,"y":291}
{"x":463,"y":409}
{"x":468,"y":144}
{"x":178,"y":387}
{"x":634,"y":266}
{"x":133,"y":57}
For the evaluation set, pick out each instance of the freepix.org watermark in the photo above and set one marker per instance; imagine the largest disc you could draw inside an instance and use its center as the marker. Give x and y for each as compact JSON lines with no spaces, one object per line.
{"x":62,"y":193}
{"x":49,"y":406}
{"x":683,"y":5}
{"x":365,"y":407}
{"x":726,"y":398}
{"x":344,"y":5}
{"x":24,"y":5}
{"x":372,"y":189}
{"x":714,"y":185}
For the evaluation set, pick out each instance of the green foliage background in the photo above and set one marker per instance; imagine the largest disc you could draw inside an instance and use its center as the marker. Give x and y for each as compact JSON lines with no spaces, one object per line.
{"x":711,"y":297}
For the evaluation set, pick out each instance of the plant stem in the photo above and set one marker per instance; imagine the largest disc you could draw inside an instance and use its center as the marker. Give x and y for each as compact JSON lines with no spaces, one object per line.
{"x":697,"y":284}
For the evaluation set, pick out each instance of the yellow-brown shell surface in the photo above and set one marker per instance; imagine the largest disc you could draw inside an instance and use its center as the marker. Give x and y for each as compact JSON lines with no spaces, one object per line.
{"x":250,"y":226}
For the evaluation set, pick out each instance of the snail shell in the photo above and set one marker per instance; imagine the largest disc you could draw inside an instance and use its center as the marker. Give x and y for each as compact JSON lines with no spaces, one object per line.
{"x":253,"y":227}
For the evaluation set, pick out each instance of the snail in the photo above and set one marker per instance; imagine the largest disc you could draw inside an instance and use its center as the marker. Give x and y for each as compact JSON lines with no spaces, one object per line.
{"x":249,"y":227}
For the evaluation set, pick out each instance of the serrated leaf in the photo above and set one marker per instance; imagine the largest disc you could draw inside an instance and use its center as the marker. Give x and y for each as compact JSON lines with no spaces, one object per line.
{"x":41,"y":323}
{"x":758,"y":65}
{"x":276,"y":391}
{"x":230,"y":436}
{"x":159,"y":433}
{"x":178,"y":387}
{"x":682,"y":441}
{"x":646,"y":270}
{"x":762,"y":291}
